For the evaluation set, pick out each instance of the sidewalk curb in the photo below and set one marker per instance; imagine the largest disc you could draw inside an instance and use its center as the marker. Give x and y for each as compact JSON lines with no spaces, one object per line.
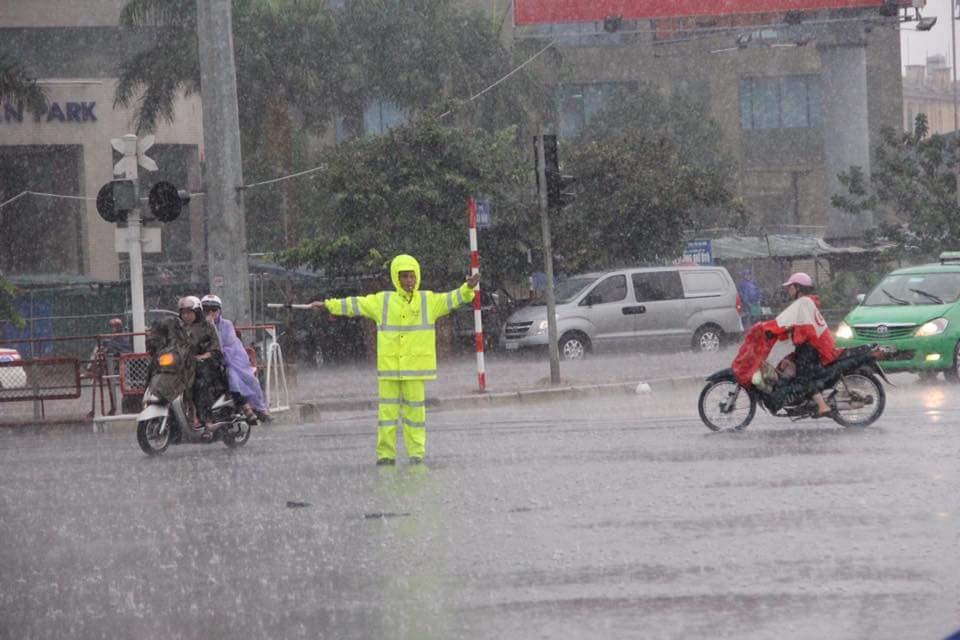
{"x":313,"y":409}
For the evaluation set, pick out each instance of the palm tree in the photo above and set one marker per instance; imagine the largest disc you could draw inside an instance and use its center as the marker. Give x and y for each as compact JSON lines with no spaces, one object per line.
{"x":18,"y":87}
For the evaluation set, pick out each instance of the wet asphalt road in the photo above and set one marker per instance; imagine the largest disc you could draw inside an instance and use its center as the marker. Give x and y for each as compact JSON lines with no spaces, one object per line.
{"x":617,"y":518}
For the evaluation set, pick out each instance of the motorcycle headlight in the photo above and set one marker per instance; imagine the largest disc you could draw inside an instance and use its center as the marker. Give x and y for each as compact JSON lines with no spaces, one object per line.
{"x":932,"y":328}
{"x":844,"y":332}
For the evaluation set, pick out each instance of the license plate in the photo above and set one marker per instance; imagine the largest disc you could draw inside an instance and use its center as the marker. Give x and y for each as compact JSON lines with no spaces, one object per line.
{"x":513,"y":346}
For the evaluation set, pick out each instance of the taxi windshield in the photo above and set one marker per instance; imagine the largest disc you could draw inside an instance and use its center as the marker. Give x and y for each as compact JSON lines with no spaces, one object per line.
{"x":915,"y":289}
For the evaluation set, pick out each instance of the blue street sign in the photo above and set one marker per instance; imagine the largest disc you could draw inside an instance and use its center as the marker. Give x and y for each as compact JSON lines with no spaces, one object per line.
{"x":483,"y":213}
{"x":698,"y":252}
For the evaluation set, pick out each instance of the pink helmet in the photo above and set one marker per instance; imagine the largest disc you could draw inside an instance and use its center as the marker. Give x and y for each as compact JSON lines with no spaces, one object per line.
{"x":800,"y":279}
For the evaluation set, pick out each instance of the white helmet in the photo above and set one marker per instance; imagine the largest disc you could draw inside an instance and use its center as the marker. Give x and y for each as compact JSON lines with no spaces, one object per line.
{"x":190,"y":302}
{"x":211,"y":301}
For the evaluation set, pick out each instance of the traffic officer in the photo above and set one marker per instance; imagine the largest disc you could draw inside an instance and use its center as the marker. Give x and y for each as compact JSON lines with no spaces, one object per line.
{"x":406,"y":351}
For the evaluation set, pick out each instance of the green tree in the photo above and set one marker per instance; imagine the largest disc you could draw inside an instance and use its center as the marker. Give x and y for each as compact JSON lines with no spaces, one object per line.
{"x":407,"y":191}
{"x":650,"y":169}
{"x":912,"y":190}
{"x":16,"y":86}
{"x":304,"y":65}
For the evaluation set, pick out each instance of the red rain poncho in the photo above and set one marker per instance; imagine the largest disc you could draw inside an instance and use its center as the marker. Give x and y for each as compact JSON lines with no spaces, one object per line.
{"x":803,"y":320}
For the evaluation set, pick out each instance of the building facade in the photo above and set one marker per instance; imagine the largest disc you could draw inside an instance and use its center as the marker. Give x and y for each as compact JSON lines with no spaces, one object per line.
{"x":74,"y":49}
{"x":797,"y":105}
{"x":928,"y":89}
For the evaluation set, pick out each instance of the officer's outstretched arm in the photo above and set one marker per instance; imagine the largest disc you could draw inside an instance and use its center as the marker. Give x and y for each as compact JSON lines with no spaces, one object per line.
{"x":443,"y":303}
{"x":370,"y":306}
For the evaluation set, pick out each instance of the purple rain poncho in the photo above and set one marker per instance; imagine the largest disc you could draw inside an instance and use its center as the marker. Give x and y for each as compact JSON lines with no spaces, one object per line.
{"x":239,"y":371}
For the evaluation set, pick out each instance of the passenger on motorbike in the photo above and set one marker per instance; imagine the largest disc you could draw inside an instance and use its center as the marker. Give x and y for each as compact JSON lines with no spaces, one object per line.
{"x":210,"y":379}
{"x":803,"y":322}
{"x":239,"y":374}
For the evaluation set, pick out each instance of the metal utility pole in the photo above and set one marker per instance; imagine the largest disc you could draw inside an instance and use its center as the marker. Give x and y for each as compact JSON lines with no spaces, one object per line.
{"x":135,"y":247}
{"x":226,"y":224}
{"x":548,"y":262}
{"x":956,"y":116}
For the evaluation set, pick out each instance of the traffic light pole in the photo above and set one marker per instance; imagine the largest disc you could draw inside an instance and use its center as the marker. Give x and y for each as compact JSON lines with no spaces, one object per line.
{"x":135,"y":248}
{"x":548,"y":262}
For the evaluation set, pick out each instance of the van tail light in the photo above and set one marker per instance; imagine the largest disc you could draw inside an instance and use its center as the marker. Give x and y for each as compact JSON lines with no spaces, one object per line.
{"x":739,"y":304}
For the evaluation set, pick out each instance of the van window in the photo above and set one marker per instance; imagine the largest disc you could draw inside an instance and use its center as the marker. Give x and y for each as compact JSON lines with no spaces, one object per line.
{"x":657,"y":285}
{"x":702,"y":284}
{"x":613,"y":289}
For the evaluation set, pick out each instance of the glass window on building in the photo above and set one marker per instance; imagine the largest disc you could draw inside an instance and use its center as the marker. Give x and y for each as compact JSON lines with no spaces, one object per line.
{"x":577,"y":104}
{"x":791,"y":102}
{"x":379,"y":117}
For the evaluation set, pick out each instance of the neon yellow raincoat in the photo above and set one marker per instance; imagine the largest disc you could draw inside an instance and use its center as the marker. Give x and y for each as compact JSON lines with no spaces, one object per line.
{"x":406,"y":351}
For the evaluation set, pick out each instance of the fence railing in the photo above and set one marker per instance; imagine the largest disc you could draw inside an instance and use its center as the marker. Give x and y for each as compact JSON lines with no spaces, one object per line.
{"x":113,"y":375}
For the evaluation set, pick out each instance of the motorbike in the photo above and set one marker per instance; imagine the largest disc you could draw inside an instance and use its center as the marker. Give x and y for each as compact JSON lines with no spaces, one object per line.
{"x":851,"y":385}
{"x":164,"y":422}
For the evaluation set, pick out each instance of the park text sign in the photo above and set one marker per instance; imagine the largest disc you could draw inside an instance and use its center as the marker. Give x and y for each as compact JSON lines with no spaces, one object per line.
{"x":554,"y":11}
{"x":78,"y":112}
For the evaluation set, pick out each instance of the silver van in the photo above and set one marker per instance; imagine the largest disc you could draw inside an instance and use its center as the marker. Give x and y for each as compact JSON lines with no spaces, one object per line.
{"x":682,"y":306}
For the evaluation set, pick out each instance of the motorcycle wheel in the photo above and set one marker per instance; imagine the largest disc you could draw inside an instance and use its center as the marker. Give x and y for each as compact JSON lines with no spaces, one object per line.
{"x":859,"y":399}
{"x":151,"y":441}
{"x":240,"y":439}
{"x":716,"y":409}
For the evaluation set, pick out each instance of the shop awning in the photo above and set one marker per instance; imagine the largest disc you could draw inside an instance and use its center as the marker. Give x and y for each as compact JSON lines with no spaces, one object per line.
{"x":782,"y":246}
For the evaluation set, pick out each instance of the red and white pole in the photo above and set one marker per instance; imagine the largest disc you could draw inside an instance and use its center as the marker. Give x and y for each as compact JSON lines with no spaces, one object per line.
{"x":477,"y":318}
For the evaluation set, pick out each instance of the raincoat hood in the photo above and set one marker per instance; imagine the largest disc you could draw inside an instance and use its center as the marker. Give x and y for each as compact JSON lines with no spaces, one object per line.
{"x":403,"y":262}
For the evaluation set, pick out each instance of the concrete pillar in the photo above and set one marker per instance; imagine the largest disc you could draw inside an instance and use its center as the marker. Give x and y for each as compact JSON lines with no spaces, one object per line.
{"x":226,"y":224}
{"x":846,"y":136}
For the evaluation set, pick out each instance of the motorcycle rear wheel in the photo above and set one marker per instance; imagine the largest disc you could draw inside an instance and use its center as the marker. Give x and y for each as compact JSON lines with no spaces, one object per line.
{"x":859,"y":399}
{"x":151,"y":441}
{"x":716,"y":410}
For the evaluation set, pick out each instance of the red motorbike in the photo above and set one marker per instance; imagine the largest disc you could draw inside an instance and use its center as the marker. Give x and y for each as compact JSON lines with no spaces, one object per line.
{"x":851,"y":385}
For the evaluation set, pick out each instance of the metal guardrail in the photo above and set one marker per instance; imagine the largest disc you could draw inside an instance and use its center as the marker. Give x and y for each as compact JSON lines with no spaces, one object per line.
{"x":45,"y":379}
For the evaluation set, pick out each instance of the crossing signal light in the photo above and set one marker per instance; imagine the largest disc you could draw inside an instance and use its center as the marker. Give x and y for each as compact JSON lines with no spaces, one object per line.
{"x":166,"y":201}
{"x":116,"y":199}
{"x":560,"y":188}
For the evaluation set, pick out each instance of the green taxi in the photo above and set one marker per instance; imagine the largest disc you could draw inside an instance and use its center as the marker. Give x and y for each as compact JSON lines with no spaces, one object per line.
{"x":916,"y":310}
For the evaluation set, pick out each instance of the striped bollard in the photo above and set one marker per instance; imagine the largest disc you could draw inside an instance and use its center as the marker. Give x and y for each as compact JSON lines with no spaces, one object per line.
{"x":477,"y":317}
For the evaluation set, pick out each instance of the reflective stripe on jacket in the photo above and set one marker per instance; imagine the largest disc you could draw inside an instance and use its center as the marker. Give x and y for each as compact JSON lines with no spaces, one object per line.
{"x":406,"y":322}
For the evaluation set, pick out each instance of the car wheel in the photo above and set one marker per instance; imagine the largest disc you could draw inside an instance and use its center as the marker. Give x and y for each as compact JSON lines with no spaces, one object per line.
{"x":574,"y":346}
{"x":953,"y":373}
{"x":708,"y":338}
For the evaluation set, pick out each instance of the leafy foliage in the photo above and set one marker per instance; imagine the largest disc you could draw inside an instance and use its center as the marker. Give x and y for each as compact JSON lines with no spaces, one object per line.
{"x":913,"y":181}
{"x":650,"y":168}
{"x":303,"y":65}
{"x":8,"y":312}
{"x":407,"y":191}
{"x":16,"y":86}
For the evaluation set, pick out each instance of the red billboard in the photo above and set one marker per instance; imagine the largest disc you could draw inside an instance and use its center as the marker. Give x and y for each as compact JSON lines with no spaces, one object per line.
{"x":554,"y":11}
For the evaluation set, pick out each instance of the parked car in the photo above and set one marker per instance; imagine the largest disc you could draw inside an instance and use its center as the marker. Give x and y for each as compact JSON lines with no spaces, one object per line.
{"x":496,"y":306}
{"x":682,"y":306}
{"x":915,"y":310}
{"x":11,"y":376}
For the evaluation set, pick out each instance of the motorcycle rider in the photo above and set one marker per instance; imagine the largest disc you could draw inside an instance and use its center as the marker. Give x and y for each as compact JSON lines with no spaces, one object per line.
{"x":210,"y":379}
{"x":241,"y":378}
{"x":803,"y":322}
